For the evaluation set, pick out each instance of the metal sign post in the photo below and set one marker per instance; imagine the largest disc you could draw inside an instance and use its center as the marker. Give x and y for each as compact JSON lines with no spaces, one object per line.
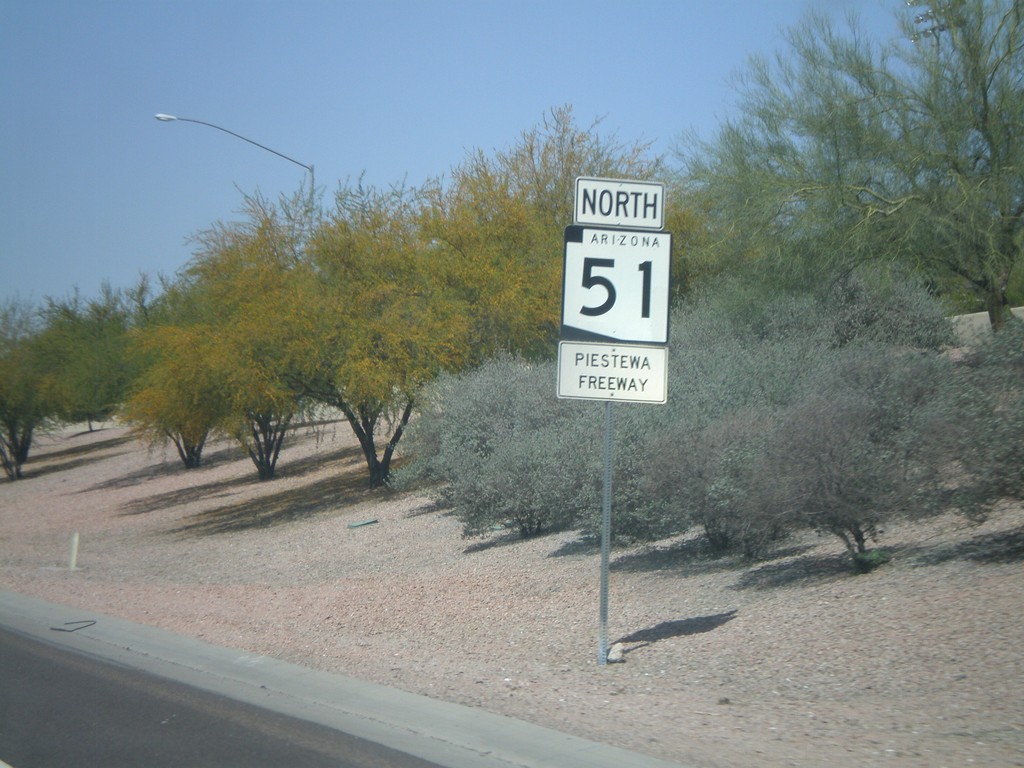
{"x":606,"y":533}
{"x":615,"y":302}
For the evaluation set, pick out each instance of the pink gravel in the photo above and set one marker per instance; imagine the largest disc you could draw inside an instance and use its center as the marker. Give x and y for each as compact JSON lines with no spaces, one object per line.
{"x":793,"y":662}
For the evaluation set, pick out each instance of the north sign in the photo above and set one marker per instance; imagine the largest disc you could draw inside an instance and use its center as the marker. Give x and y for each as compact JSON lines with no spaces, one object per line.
{"x":616,"y":285}
{"x":619,"y":203}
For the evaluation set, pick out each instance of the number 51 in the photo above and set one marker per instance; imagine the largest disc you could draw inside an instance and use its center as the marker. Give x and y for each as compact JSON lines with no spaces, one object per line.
{"x":590,"y":280}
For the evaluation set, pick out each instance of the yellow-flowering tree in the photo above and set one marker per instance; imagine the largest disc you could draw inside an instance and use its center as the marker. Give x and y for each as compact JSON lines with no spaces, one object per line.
{"x":381,"y":316}
{"x":242,"y":278}
{"x":218,"y":352}
{"x":179,"y":395}
{"x":498,"y":226}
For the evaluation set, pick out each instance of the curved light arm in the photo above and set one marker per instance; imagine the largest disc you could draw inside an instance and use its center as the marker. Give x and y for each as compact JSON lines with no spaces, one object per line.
{"x":168,"y":118}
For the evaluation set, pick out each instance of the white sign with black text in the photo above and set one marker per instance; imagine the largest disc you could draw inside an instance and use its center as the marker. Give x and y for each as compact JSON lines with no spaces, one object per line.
{"x":627,"y":372}
{"x":619,"y":203}
{"x":616,"y":285}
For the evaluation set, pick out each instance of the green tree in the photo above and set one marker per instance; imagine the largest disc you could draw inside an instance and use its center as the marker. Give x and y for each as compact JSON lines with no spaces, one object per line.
{"x":23,"y":406}
{"x":846,"y":152}
{"x":85,"y":342}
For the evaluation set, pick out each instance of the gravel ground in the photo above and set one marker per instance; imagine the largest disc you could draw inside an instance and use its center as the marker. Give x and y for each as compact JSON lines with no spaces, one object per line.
{"x":792,"y":662}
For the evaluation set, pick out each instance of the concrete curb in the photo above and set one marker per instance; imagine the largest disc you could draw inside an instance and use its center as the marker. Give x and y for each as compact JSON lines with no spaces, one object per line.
{"x":448,"y":734}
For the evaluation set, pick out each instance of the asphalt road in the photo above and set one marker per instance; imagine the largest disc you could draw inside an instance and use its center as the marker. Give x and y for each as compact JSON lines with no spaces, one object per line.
{"x":62,"y":709}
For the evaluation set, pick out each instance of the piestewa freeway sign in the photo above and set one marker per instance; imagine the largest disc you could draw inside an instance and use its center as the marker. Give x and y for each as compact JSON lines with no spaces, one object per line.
{"x":627,"y":372}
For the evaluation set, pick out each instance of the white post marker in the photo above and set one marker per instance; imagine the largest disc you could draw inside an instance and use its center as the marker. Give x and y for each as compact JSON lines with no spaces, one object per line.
{"x":73,"y":552}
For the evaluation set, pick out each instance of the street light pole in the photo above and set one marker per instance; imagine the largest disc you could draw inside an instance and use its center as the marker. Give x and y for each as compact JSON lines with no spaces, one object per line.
{"x":170,"y":118}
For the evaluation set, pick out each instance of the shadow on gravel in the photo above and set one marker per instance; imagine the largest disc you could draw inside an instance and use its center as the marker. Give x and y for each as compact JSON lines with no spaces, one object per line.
{"x":583,"y":545}
{"x":317,"y":461}
{"x":171,"y":465}
{"x":690,"y":557}
{"x":187,"y":495}
{"x":193,"y":493}
{"x":803,"y":571}
{"x":677,"y":628}
{"x":687,"y":557}
{"x":503,"y":539}
{"x":140,"y":476}
{"x":428,"y":508}
{"x":1001,"y":547}
{"x":327,"y":495}
{"x":72,"y":457}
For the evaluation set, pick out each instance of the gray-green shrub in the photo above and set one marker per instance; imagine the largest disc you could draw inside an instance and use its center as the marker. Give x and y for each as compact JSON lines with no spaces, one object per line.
{"x":498,"y":449}
{"x":987,"y":435}
{"x":820,"y":412}
{"x":803,"y":412}
{"x":855,"y":452}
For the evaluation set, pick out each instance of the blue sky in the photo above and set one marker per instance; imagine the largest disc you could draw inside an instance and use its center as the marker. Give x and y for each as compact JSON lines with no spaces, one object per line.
{"x":94,"y":189}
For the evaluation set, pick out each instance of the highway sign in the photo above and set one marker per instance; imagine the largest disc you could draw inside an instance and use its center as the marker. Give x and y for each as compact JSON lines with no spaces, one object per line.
{"x":619,"y":203}
{"x":615,"y":288}
{"x":627,"y":372}
{"x":616,"y":285}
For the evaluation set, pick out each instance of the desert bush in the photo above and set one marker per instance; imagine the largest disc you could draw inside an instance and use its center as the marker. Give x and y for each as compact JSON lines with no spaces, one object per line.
{"x":775,"y":421}
{"x":856,"y":451}
{"x":497,"y":448}
{"x":708,"y":474}
{"x":986,"y":433}
{"x":732,"y":369}
{"x":866,"y":306}
{"x":803,"y":412}
{"x":637,"y":514}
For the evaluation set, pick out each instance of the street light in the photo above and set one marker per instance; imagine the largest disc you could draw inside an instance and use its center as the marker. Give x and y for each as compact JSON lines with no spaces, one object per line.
{"x":170,"y":118}
{"x":936,"y":17}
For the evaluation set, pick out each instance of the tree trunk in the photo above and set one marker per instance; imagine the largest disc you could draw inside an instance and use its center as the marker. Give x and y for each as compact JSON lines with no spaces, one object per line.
{"x":7,"y":462}
{"x":389,"y":451}
{"x":14,"y":449}
{"x":267,"y":435}
{"x":364,"y":427}
{"x":859,"y":537}
{"x":190,"y":453}
{"x":997,"y":306}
